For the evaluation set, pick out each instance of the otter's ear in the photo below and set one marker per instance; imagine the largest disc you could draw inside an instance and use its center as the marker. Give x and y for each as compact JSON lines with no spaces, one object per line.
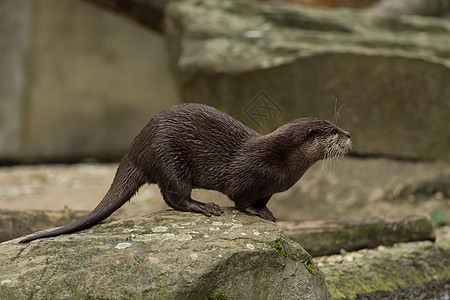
{"x":312,"y":132}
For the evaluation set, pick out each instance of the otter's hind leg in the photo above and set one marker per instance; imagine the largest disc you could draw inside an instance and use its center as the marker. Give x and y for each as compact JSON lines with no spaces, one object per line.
{"x":179,"y":199}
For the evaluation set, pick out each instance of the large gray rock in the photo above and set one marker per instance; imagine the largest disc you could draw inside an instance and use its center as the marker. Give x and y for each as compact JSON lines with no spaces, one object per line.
{"x":419,"y":270}
{"x":15,"y":25}
{"x":76,"y":81}
{"x":167,"y":255}
{"x":267,"y":64}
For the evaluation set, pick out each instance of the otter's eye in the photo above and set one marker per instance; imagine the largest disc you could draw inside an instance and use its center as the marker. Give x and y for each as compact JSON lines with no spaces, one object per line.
{"x":312,"y":132}
{"x":334,"y":131}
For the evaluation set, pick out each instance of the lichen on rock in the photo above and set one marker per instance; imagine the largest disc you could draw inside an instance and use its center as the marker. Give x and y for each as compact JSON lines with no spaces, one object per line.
{"x":165,"y":255}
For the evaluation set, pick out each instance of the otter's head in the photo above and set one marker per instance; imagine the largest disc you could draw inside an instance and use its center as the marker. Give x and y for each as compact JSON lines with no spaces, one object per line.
{"x":322,"y":138}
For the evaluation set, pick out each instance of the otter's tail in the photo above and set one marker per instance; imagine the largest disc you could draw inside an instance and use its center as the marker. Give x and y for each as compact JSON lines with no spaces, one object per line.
{"x":126,"y":183}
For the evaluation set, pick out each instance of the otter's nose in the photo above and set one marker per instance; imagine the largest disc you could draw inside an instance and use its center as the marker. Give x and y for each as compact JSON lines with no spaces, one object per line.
{"x":347,"y":134}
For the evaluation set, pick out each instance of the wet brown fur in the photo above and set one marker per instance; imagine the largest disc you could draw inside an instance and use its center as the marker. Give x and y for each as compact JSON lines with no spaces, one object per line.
{"x":196,"y":146}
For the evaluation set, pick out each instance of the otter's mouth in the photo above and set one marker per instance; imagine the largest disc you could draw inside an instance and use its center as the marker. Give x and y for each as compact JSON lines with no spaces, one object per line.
{"x":338,"y":149}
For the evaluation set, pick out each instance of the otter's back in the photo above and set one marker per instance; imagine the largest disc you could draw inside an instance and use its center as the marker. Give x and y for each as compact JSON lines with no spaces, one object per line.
{"x":196,"y":139}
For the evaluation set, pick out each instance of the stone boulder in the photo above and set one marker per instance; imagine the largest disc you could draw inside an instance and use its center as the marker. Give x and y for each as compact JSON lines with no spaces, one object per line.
{"x":267,"y":63}
{"x":165,"y":255}
{"x":419,"y":270}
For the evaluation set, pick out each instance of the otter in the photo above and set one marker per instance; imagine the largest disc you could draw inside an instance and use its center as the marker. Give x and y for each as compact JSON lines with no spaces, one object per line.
{"x":197,"y":146}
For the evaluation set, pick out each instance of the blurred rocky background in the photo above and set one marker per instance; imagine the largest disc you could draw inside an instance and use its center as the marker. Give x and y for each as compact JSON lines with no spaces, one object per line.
{"x":76,"y":81}
{"x":80,"y":78}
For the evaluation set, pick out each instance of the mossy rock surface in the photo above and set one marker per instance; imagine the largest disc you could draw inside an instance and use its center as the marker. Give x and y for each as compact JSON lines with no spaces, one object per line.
{"x":330,"y":237}
{"x":165,"y":255}
{"x":418,"y":270}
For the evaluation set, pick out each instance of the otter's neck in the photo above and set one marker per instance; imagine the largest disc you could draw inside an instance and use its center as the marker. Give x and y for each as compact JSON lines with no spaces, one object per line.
{"x":285,"y":155}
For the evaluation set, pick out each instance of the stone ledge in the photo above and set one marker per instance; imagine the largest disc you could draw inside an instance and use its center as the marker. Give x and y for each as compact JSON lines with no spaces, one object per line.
{"x":329,"y":237}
